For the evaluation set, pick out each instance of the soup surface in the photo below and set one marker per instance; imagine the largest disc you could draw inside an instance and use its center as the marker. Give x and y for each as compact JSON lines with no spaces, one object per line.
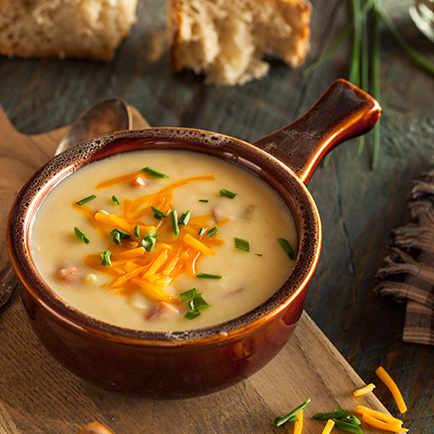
{"x":126,"y":257}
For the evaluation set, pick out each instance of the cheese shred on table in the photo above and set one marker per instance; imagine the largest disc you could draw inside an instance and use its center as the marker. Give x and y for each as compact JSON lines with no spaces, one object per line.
{"x":391,"y":385}
{"x":328,"y":428}
{"x":364,"y":390}
{"x":298,"y":426}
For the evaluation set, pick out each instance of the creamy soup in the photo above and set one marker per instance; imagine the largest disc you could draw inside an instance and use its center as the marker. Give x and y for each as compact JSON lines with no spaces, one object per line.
{"x":188,"y":242}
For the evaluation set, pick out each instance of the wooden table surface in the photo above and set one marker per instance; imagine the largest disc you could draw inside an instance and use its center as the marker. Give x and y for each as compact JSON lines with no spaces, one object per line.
{"x":359,"y":207}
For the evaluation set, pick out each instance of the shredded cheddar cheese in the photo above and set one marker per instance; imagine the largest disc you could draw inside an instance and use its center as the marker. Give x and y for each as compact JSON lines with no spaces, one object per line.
{"x":370,"y":420}
{"x":391,"y":385}
{"x":298,"y":426}
{"x":364,"y":390}
{"x":328,"y":428}
{"x":133,"y":267}
{"x":378,"y":415}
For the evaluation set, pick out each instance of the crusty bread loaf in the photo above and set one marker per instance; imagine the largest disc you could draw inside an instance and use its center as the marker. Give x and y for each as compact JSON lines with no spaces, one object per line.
{"x":227,"y":39}
{"x":73,"y":28}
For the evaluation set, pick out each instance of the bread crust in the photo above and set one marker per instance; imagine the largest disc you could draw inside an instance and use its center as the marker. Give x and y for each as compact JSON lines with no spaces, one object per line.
{"x":175,"y":37}
{"x":174,"y":32}
{"x":105,"y":53}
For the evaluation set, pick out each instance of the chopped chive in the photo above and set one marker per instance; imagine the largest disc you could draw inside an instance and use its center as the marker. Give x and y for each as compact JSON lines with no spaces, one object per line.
{"x":212,"y":231}
{"x":148,"y":243}
{"x":352,"y":419}
{"x":115,"y":200}
{"x":158,"y":213}
{"x":208,"y":276}
{"x":117,"y":238}
{"x":187,"y":294}
{"x":259,"y":254}
{"x":347,"y":426}
{"x":241,"y":244}
{"x":288,"y":249}
{"x":137,"y":231}
{"x":227,"y":193}
{"x":153,"y":234}
{"x":201,"y":231}
{"x":81,"y":235}
{"x":106,"y":258}
{"x":175,"y":225}
{"x":204,"y":200}
{"x":191,"y":304}
{"x":337,"y":414}
{"x":124,"y":235}
{"x":86,"y":199}
{"x":185,"y":218}
{"x":199,"y":302}
{"x":154,"y":173}
{"x":193,"y":313}
{"x":278,"y":421}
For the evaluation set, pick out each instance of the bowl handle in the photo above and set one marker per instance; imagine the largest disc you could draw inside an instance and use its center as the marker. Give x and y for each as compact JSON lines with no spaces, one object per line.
{"x":344,"y":111}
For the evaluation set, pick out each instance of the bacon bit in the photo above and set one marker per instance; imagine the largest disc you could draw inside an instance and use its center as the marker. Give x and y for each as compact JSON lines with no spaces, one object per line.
{"x":364,"y":390}
{"x":68,"y":275}
{"x":138,"y":182}
{"x":216,"y":214}
{"x":161,"y":308}
{"x":95,"y":428}
{"x":237,"y":291}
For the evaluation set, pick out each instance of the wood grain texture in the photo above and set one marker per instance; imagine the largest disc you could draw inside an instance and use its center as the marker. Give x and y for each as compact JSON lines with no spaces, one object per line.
{"x":358,"y":207}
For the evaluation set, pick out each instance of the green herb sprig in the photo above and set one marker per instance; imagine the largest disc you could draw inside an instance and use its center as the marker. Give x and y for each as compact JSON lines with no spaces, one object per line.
{"x":227,"y":193}
{"x":347,"y":426}
{"x":208,"y":276}
{"x":106,"y":258}
{"x":158,"y":214}
{"x":115,"y":200}
{"x":241,"y":244}
{"x":118,"y":235}
{"x":337,"y":414}
{"x":185,"y":218}
{"x":212,"y":231}
{"x":174,"y":216}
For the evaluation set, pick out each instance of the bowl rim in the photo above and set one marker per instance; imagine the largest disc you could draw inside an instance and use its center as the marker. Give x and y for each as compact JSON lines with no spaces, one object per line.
{"x":31,"y":195}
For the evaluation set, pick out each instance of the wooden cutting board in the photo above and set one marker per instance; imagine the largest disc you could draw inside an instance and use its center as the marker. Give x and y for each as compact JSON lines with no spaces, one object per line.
{"x":39,"y":396}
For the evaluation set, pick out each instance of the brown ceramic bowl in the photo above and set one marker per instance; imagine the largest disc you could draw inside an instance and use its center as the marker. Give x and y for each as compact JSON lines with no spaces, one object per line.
{"x":196,"y":362}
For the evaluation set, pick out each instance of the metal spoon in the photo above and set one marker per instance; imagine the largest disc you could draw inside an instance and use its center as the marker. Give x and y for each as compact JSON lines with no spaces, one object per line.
{"x":106,"y":116}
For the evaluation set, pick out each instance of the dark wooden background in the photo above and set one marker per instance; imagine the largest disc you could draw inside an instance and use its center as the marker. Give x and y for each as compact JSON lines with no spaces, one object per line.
{"x":359,"y":207}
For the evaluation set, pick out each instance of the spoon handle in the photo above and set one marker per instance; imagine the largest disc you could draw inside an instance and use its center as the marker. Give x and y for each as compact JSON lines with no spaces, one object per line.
{"x":344,"y":111}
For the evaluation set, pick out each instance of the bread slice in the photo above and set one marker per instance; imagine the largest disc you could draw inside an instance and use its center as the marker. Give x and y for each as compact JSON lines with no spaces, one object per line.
{"x":72,"y":28}
{"x":227,"y":39}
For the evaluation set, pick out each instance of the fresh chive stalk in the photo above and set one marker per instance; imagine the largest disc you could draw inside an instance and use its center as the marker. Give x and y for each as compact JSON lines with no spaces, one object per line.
{"x":158,"y":214}
{"x":196,"y":302}
{"x":192,"y":313}
{"x":259,"y":254}
{"x":279,"y":421}
{"x":185,"y":218}
{"x":227,"y":193}
{"x":337,"y":414}
{"x":288,"y":249}
{"x":154,"y":173}
{"x":174,"y":215}
{"x":347,"y":426}
{"x":208,"y":276}
{"x":315,"y":65}
{"x":241,"y":244}
{"x":86,"y":199}
{"x":118,"y":235}
{"x":201,"y":231}
{"x":354,"y":73}
{"x":115,"y":200}
{"x":204,"y":200}
{"x":414,"y":55}
{"x":106,"y":258}
{"x":81,"y":235}
{"x":376,"y":61}
{"x":212,"y":231}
